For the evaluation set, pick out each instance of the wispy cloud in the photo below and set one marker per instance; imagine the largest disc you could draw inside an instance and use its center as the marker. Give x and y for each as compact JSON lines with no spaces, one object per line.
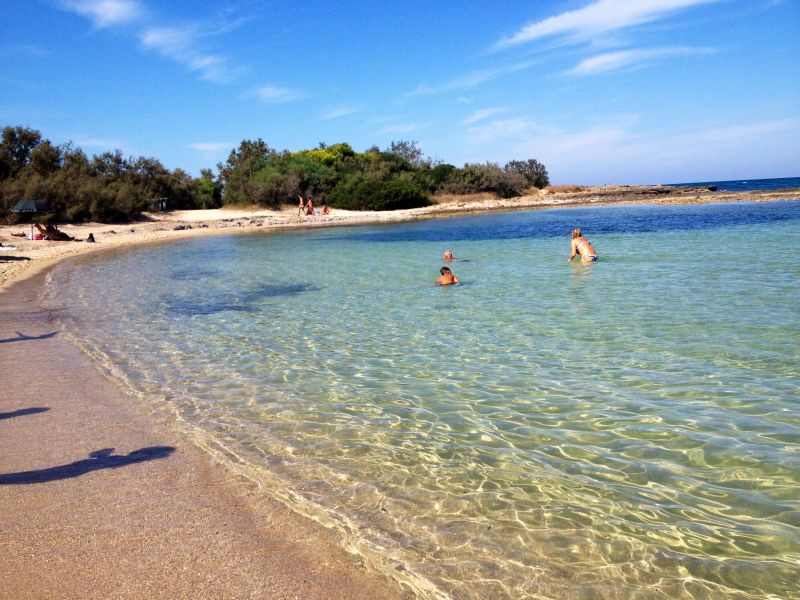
{"x":603,"y":151}
{"x":499,"y":129}
{"x":745,"y":132}
{"x":603,"y":16}
{"x":211,"y":147}
{"x":270,"y":94}
{"x":339,"y":112}
{"x":480,"y":115}
{"x":27,"y":50}
{"x":181,"y":44}
{"x":614,"y":61}
{"x":397,"y":128}
{"x":98,"y":142}
{"x":106,"y":13}
{"x":470,"y":80}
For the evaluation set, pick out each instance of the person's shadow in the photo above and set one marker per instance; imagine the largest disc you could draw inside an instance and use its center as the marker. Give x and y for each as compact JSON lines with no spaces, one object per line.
{"x":21,"y":337}
{"x":100,"y":459}
{"x":23,"y":411}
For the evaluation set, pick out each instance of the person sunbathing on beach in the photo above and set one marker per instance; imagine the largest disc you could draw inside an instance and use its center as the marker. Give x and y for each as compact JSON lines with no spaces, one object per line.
{"x":50,"y":232}
{"x":581,"y":247}
{"x":447,"y":277}
{"x":325,"y":209}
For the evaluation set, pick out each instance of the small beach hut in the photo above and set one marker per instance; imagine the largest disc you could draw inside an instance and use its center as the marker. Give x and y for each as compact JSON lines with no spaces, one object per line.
{"x":30,"y":207}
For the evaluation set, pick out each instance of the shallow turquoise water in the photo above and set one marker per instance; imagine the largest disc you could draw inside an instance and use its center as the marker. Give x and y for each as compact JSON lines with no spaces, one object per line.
{"x":624,"y":429}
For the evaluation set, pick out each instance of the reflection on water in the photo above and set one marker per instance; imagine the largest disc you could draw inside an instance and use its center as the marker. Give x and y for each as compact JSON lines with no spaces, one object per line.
{"x":622,"y":429}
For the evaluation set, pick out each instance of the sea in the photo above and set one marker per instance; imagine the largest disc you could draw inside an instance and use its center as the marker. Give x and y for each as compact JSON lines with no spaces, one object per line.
{"x":746,"y":185}
{"x":628,"y":428}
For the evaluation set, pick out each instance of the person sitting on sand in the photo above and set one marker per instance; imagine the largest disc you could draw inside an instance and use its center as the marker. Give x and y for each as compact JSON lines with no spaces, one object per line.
{"x":581,"y":247}
{"x":325,"y":209}
{"x":51,"y":232}
{"x":309,"y":206}
{"x":447,"y":277}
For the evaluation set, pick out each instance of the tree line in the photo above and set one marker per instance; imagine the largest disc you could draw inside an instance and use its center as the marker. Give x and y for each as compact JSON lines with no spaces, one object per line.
{"x":110,"y":187}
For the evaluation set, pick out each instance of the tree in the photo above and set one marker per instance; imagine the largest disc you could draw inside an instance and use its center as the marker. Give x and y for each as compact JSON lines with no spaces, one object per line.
{"x":243,"y":163}
{"x":533,"y":171}
{"x":364,"y":193}
{"x":45,"y":159}
{"x":408,"y":150}
{"x":209,"y":191}
{"x":16,"y":148}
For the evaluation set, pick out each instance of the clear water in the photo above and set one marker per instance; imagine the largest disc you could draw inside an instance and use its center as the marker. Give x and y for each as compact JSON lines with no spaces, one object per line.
{"x":624,"y":429}
{"x":746,"y":185}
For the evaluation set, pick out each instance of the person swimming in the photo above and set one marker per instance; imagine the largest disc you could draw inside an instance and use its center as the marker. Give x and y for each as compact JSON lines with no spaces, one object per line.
{"x":582,"y":247}
{"x":447,"y":277}
{"x":448,"y":257}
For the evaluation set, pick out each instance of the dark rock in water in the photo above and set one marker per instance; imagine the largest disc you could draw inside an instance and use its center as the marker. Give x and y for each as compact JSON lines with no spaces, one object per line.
{"x":181,"y":227}
{"x":712,"y":188}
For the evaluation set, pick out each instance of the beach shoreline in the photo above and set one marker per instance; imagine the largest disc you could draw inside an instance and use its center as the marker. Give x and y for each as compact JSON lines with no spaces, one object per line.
{"x":85,"y":521}
{"x":104,"y":497}
{"x":30,"y":257}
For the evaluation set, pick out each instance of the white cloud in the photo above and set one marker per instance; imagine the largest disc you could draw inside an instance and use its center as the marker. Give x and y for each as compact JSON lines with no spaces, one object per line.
{"x":337,"y":113}
{"x":270,"y":94}
{"x":469,"y":80}
{"x":181,"y":44}
{"x":98,"y":142}
{"x":27,"y":50}
{"x":742,"y":133}
{"x":517,"y":128}
{"x":106,"y":13}
{"x":612,"y":61}
{"x":604,"y":152}
{"x":597,"y":18}
{"x":397,"y":128}
{"x":480,"y":115}
{"x":212,"y":147}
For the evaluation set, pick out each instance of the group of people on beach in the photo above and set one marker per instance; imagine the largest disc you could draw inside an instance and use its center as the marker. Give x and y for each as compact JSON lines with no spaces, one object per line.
{"x":580,"y":246}
{"x":306,"y":207}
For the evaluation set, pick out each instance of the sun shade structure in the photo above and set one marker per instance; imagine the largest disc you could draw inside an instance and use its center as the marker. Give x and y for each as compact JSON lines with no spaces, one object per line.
{"x":30,"y":207}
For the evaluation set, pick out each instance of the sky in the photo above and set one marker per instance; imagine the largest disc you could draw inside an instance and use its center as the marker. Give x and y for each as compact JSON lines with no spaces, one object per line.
{"x":599,"y":91}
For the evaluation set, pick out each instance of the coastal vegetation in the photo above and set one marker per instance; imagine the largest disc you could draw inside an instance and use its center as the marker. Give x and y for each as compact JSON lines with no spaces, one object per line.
{"x":110,"y":187}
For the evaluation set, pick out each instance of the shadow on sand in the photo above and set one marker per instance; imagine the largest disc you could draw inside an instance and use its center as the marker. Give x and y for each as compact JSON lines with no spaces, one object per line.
{"x":12,"y":258}
{"x":100,"y":459}
{"x":21,"y":337}
{"x":23,"y":411}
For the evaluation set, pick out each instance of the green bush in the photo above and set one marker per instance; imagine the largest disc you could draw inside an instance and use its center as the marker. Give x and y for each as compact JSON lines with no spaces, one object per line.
{"x":359,"y":193}
{"x":487,"y":177}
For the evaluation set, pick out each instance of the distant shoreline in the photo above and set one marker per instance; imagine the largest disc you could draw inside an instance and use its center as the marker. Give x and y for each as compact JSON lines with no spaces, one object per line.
{"x":30,"y":257}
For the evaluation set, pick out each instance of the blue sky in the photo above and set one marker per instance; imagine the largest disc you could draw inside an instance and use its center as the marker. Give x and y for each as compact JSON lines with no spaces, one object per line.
{"x":600,"y":91}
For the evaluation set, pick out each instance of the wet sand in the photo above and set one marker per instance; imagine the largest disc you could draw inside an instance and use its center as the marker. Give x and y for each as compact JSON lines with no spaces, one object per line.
{"x":101,"y":498}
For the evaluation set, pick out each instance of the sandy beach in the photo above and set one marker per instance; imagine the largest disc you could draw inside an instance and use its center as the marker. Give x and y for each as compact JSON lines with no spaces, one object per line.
{"x":101,"y":498}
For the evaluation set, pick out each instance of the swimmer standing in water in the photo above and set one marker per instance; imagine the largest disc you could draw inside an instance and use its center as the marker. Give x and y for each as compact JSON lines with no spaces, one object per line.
{"x":581,"y":247}
{"x":447,"y":277}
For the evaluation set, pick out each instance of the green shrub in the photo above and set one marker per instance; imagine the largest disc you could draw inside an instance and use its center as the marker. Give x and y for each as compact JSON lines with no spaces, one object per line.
{"x":358,"y":193}
{"x":487,"y":177}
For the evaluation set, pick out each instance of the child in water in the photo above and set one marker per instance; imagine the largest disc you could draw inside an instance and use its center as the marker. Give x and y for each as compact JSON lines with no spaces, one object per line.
{"x":447,"y":277}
